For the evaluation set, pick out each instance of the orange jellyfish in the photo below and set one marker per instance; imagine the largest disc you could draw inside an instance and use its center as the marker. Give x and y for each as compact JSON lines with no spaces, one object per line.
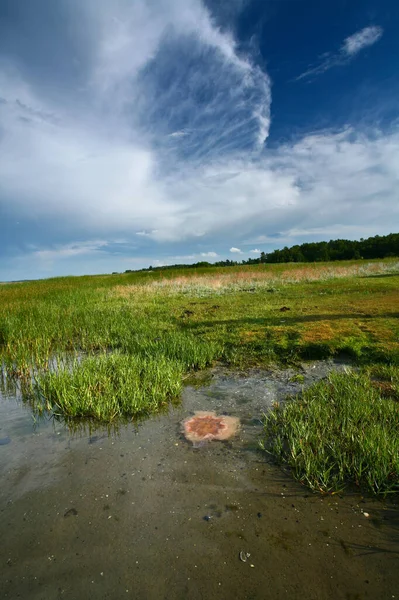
{"x":205,"y":426}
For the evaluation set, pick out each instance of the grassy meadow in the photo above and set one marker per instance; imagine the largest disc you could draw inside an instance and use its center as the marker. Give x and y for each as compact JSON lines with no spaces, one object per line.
{"x":113,"y":346}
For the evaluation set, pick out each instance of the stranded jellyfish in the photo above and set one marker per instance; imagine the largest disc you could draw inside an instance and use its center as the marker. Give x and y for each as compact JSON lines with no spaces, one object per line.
{"x":206,"y":426}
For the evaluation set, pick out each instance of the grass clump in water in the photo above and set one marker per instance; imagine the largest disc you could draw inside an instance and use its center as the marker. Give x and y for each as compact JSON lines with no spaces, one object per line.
{"x":341,"y":430}
{"x":106,"y":387}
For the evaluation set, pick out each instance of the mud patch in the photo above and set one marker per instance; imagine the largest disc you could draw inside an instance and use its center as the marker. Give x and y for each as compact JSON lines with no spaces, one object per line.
{"x":140,"y":513}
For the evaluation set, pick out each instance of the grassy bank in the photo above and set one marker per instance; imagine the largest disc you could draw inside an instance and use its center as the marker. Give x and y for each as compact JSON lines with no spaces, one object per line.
{"x":182,"y":320}
{"x":343,"y":430}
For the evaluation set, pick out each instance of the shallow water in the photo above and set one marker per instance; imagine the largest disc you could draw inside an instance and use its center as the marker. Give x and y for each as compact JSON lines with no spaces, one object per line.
{"x":142,"y":514}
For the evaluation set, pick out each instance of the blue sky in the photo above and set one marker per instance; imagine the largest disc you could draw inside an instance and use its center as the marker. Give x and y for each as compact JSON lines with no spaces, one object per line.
{"x":138,"y":132}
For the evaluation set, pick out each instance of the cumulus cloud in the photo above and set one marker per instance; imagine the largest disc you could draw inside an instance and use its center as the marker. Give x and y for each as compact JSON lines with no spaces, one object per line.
{"x":255,"y":251}
{"x":325,"y":181}
{"x":209,"y":254}
{"x":235,"y":251}
{"x":350,"y":47}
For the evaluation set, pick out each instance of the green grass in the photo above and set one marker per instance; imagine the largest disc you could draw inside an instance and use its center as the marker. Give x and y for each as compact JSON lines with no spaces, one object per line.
{"x":108,"y":387}
{"x":242,"y":316}
{"x":342,"y":430}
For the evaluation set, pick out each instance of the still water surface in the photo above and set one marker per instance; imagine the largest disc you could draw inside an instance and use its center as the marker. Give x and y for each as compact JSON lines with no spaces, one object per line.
{"x":140,"y":513}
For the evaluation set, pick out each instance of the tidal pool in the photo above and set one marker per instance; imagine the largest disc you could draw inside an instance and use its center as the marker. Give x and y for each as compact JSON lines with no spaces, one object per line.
{"x":140,"y":513}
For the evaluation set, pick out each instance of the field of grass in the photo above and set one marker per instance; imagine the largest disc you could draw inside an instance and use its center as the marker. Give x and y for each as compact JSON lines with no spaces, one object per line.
{"x":113,"y":346}
{"x":169,"y":323}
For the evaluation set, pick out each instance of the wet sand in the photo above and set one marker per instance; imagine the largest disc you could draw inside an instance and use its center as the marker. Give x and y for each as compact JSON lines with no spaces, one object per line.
{"x":143,"y":514}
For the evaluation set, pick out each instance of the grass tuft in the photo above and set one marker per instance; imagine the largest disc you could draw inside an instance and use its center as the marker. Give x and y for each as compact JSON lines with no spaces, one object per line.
{"x":339,"y":431}
{"x":108,"y":387}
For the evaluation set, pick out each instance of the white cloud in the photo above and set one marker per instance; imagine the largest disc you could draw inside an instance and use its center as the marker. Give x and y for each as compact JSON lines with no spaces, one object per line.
{"x":324,"y":181}
{"x":92,"y":164}
{"x":131,"y":34}
{"x":97,"y":165}
{"x":362,"y":39}
{"x":45,"y":258}
{"x":173,"y":259}
{"x":177,"y":134}
{"x":351,"y":46}
{"x":146,"y":233}
{"x":68,"y":170}
{"x":69,"y":250}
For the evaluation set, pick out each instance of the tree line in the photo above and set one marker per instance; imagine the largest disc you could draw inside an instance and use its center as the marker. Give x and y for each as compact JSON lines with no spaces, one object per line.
{"x":379,"y":246}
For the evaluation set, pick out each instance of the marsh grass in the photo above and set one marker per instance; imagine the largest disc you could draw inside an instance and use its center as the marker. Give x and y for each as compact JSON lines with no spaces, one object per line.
{"x":230,"y":281}
{"x":242,"y":316}
{"x":107,"y":387}
{"x":340,"y":431}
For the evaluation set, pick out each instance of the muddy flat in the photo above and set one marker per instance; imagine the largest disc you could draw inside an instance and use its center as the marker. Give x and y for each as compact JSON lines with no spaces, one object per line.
{"x":141,"y":513}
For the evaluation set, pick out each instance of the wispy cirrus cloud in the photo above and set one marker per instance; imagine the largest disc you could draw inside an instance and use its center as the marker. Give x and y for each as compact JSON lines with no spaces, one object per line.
{"x":72,"y":249}
{"x":350,"y":47}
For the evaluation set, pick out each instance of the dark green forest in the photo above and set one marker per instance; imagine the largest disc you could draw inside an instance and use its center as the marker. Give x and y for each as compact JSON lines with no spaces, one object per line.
{"x":379,"y":246}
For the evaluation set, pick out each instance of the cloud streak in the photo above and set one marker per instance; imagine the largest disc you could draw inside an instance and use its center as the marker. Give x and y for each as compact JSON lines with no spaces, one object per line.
{"x":69,"y":250}
{"x":350,"y":48}
{"x":362,"y":39}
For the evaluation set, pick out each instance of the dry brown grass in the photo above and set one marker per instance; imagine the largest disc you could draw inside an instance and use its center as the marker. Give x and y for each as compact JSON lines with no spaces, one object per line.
{"x":243,"y":280}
